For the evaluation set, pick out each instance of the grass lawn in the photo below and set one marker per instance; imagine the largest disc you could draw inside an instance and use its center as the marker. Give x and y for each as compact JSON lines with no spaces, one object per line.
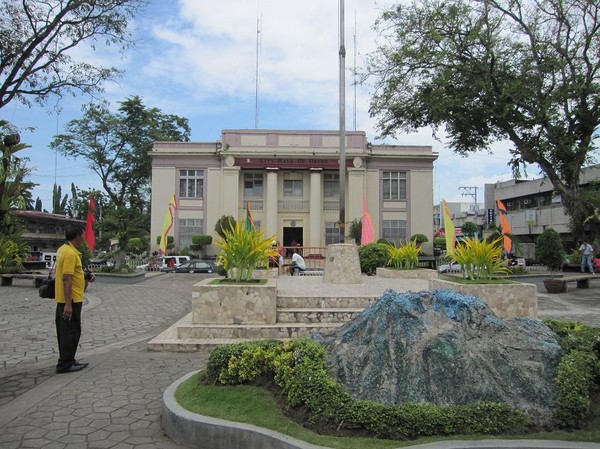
{"x":257,"y":406}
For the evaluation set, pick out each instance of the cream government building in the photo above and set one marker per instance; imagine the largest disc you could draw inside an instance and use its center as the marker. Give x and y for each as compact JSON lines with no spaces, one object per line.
{"x":290,"y":179}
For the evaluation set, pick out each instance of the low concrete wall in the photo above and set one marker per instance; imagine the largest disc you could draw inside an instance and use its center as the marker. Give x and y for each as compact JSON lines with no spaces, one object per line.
{"x":192,"y":430}
{"x":506,"y":300}
{"x":234,"y":304}
{"x":419,"y":273}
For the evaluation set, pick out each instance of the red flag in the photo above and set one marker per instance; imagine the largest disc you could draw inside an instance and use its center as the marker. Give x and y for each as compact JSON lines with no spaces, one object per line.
{"x":89,"y":236}
{"x":367,"y":233}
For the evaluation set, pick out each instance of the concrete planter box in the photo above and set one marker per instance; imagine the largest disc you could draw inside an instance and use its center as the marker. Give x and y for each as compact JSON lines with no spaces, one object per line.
{"x":270,"y":273}
{"x":114,"y":278}
{"x":506,"y":300}
{"x":234,"y":304}
{"x":419,"y":273}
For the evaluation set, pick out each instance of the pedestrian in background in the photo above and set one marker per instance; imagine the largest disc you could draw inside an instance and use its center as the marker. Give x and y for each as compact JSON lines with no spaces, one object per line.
{"x":586,"y":259}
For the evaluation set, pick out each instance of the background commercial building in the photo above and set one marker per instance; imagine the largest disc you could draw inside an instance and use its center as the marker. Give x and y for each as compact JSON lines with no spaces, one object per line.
{"x":290,"y":180}
{"x":534,"y":205}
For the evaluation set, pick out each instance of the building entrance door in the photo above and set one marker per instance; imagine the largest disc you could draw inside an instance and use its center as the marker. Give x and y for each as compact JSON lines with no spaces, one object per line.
{"x":292,"y":237}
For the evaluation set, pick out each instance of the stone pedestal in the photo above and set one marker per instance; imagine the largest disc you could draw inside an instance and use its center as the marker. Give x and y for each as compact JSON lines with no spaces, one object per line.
{"x":342,"y":265}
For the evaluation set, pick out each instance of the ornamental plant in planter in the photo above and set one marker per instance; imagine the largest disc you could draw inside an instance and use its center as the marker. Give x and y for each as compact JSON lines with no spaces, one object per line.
{"x":480,"y":259}
{"x":405,"y":256}
{"x":242,"y":249}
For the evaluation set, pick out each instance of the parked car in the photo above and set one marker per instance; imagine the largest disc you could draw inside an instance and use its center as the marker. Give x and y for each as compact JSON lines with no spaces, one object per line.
{"x":452,"y":267}
{"x":192,"y":266}
{"x":163,"y":262}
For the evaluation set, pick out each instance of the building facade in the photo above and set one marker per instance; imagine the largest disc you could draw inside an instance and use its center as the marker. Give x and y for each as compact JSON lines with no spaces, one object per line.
{"x":533,"y":205}
{"x":290,"y":181}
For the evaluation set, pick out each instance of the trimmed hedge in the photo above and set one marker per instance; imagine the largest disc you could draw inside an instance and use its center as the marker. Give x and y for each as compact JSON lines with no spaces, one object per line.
{"x":578,"y":375}
{"x":372,"y":256}
{"x":299,"y":368}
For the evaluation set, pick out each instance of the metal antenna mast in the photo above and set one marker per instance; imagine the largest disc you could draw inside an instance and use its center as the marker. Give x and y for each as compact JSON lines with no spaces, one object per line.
{"x":256,"y":75}
{"x":354,"y":72}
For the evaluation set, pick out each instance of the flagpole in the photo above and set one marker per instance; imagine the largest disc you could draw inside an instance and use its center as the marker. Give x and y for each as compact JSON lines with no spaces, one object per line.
{"x":342,"y":63}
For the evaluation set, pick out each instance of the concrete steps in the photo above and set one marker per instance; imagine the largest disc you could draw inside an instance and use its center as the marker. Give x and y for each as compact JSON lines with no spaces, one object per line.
{"x":297,"y":316}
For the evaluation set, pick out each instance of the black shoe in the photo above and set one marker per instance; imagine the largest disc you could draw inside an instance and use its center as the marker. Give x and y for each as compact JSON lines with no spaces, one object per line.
{"x":82,"y":364}
{"x":71,"y":369}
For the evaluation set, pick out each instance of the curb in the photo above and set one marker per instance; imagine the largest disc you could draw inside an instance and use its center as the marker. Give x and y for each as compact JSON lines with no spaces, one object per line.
{"x":203,"y":432}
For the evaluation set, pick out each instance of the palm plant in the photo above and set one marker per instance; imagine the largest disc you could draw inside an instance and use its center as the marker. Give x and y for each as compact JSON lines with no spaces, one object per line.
{"x":405,"y":256}
{"x":480,"y":259}
{"x":242,"y":249}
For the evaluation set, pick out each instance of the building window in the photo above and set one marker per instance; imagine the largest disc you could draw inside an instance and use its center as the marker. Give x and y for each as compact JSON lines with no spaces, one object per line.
{"x":189,"y":227}
{"x":292,"y":188}
{"x":191,"y":183}
{"x":253,"y":185}
{"x":394,"y":231}
{"x":394,"y":185}
{"x":331,"y":185}
{"x":332,"y":233}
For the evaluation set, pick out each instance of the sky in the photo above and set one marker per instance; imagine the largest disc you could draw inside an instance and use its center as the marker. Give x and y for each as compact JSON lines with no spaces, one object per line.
{"x":198,"y":59}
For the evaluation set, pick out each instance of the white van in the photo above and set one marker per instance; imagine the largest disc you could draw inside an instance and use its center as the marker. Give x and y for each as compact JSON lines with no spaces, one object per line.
{"x":49,"y":258}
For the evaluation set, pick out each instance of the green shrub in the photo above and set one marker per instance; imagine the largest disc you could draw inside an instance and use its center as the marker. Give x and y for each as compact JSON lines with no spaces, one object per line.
{"x":137,"y":245}
{"x":578,"y":372}
{"x":419,"y":238}
{"x":299,"y":367}
{"x":202,"y":239}
{"x":372,"y":256}
{"x":575,"y":257}
{"x":439,"y":242}
{"x":549,"y":249}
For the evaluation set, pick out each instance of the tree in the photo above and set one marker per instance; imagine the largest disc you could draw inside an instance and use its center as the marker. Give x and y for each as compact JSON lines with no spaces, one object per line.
{"x":355,"y":230}
{"x":470,"y":229}
{"x":15,"y":193}
{"x":523,"y":70}
{"x":225,"y":223}
{"x":549,"y":249}
{"x":60,"y":204}
{"x":117,"y":146}
{"x":37,"y":42}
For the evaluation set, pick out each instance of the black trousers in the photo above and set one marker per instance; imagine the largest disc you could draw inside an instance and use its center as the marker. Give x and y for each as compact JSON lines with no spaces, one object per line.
{"x":68,"y":333}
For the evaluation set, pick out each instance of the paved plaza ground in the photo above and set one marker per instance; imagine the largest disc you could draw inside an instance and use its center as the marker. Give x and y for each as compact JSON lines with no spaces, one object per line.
{"x":116,"y":402}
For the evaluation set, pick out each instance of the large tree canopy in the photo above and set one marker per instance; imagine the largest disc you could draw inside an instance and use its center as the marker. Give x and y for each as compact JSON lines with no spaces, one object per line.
{"x":116,"y":147}
{"x":37,"y":38}
{"x":486,"y":70}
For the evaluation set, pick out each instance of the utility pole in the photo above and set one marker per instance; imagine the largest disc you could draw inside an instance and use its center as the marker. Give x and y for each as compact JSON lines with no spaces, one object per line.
{"x":472,"y":192}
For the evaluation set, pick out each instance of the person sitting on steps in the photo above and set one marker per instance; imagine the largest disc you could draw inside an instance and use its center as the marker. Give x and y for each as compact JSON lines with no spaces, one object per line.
{"x":297,"y":262}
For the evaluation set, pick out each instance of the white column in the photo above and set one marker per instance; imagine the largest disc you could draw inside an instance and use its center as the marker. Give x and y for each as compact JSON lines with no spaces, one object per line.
{"x":270,"y":207}
{"x":316,"y":207}
{"x":356,"y":192}
{"x":230,"y":192}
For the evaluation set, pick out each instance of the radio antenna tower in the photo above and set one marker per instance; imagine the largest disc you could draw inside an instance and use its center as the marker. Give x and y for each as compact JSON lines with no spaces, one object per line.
{"x":256,"y":75}
{"x":354,"y":74}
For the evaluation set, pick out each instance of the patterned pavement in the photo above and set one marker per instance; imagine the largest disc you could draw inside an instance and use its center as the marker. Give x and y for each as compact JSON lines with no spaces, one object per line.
{"x":116,"y":402}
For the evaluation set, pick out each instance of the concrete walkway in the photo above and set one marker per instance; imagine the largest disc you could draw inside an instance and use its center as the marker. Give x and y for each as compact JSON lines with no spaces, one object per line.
{"x":116,"y":402}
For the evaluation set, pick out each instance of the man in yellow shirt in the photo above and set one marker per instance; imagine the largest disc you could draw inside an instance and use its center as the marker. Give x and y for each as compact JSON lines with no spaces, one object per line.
{"x":70,"y":285}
